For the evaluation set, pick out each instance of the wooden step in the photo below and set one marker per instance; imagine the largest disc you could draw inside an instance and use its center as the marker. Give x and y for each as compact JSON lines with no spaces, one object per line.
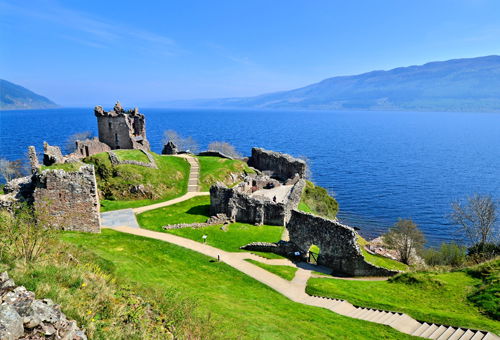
{"x":440,"y":330}
{"x":420,"y":329}
{"x":490,"y":336}
{"x":467,"y":335}
{"x":458,"y":333}
{"x":446,"y":334}
{"x":478,"y":336}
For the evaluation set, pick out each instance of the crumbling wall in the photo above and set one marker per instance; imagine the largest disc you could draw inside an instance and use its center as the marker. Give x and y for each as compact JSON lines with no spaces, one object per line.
{"x":339,"y":249}
{"x":52,"y":154}
{"x":121,"y":129}
{"x":70,"y":197}
{"x":33,"y":158}
{"x":281,"y":165}
{"x":170,"y":149}
{"x":89,"y":147}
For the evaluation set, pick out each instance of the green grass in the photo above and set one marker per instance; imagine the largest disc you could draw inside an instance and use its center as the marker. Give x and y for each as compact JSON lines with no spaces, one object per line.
{"x":429,"y":297}
{"x":315,"y":200}
{"x":167,"y":182}
{"x":271,"y":256}
{"x":285,"y":272}
{"x":197,"y":210}
{"x":378,"y":260}
{"x":73,"y":166}
{"x":241,"y":307}
{"x":216,"y":169}
{"x":131,"y":155}
{"x":486,"y":296}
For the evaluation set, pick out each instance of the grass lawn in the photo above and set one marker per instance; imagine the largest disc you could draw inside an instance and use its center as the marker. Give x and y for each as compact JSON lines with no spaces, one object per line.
{"x":216,"y":169}
{"x":167,"y":182}
{"x":73,"y":166}
{"x":286,"y":272}
{"x":241,"y":307}
{"x":271,"y":256}
{"x":197,"y":210}
{"x":429,"y":297}
{"x":131,"y":155}
{"x":378,"y":260}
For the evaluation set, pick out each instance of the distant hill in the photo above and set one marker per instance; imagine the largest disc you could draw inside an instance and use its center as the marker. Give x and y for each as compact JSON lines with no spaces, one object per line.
{"x":455,"y":85}
{"x":16,"y":97}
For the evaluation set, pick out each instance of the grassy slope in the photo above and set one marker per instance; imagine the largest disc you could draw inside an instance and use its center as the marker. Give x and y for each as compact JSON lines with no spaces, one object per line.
{"x":167,"y":182}
{"x":286,"y":272}
{"x":73,"y":166}
{"x":379,"y":260}
{"x":316,"y":200}
{"x":215,"y":169}
{"x":197,"y":210}
{"x":432,"y":297}
{"x":131,"y":155}
{"x":241,"y":307}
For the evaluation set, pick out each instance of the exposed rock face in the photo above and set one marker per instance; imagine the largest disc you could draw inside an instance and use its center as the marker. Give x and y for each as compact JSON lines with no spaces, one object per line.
{"x":281,"y":165}
{"x":339,"y":249}
{"x":121,"y":129}
{"x":170,"y":149}
{"x":89,"y":147}
{"x":52,"y":154}
{"x":71,"y":197}
{"x":23,"y":316}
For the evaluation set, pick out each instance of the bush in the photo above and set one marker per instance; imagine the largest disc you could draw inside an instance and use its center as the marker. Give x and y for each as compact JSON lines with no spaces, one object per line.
{"x":448,"y":254}
{"x":225,"y":148}
{"x":481,"y":252}
{"x":316,"y":200}
{"x":420,"y":278}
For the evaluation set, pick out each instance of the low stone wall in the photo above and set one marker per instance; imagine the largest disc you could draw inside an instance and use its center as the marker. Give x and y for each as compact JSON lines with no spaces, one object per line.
{"x":281,"y":165}
{"x":213,"y":153}
{"x":116,"y":161}
{"x":286,"y":249}
{"x":219,"y":219}
{"x":70,"y":197}
{"x":23,"y":316}
{"x":89,"y":147}
{"x":339,"y":249}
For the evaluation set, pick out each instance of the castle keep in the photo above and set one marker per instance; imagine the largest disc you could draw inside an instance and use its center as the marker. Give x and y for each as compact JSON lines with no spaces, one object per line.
{"x":121,"y":129}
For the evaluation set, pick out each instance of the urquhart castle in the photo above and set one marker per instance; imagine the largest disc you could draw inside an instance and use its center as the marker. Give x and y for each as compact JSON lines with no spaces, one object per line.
{"x":270,"y":196}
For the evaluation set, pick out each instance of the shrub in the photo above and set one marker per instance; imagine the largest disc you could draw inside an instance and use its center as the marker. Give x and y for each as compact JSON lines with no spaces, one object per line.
{"x":316,"y":200}
{"x":405,"y":238}
{"x":483,"y":251}
{"x":420,"y":278}
{"x":448,"y":254}
{"x":225,"y":148}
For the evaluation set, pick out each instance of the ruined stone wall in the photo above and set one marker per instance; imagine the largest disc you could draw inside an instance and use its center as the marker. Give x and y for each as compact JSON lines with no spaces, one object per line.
{"x":89,"y":147}
{"x":121,"y":129}
{"x":337,"y":242}
{"x":241,"y":207}
{"x":52,"y":154}
{"x":71,"y":197}
{"x":281,"y":165}
{"x":33,"y":158}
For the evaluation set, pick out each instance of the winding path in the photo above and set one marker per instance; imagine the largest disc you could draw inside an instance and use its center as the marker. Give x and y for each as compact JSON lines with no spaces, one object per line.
{"x":295,"y":289}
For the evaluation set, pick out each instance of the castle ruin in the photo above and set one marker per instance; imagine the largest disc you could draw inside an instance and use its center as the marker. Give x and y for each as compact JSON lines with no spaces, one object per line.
{"x":121,"y":129}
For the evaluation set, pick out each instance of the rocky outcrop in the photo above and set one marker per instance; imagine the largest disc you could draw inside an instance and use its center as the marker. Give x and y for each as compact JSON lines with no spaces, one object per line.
{"x":23,"y":316}
{"x":338,"y":245}
{"x":280,"y":165}
{"x":117,"y":161}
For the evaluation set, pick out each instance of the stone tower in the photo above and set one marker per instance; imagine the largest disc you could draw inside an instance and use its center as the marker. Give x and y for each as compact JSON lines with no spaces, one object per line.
{"x":121,"y":129}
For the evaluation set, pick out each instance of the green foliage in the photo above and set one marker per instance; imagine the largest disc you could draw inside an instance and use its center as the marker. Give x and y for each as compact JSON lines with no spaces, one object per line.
{"x":481,"y":252}
{"x":431,"y":297}
{"x":487,"y":294}
{"x":216,"y":169}
{"x":378,"y":260}
{"x":69,"y":167}
{"x":448,"y":254}
{"x":89,"y":290}
{"x":316,"y":200}
{"x":405,"y":238}
{"x":162,"y":184}
{"x":285,"y":272}
{"x":131,"y":155}
{"x":222,"y":293}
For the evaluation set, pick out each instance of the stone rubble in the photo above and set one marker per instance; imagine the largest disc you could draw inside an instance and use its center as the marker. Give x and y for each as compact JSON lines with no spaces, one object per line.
{"x":24,"y":317}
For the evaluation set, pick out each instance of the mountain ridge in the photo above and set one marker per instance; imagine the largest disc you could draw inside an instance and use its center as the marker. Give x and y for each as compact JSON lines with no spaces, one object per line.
{"x":17,"y":97}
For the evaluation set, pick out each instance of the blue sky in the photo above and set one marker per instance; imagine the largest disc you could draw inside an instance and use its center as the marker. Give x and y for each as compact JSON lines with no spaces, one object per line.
{"x":81,"y":53}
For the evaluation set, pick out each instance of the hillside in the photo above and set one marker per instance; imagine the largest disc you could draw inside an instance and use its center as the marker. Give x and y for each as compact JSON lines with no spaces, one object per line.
{"x":471,"y":84}
{"x":16,"y":97}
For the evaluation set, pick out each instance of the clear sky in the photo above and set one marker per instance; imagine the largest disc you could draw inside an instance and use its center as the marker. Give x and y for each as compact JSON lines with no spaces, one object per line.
{"x":81,"y":53}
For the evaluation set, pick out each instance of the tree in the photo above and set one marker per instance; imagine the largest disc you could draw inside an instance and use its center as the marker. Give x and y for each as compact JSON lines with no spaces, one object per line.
{"x":182,"y":143}
{"x":225,"y":148}
{"x":477,"y":218}
{"x":405,"y":238}
{"x":70,"y":145}
{"x":11,"y":169}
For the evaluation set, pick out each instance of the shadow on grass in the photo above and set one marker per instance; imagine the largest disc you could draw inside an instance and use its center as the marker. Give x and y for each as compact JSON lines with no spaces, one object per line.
{"x":203,"y":210}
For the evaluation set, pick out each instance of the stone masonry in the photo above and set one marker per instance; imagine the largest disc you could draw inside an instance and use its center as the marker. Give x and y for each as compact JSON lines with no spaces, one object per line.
{"x":88,"y":147}
{"x":121,"y":129}
{"x":339,"y":249}
{"x":71,"y":197}
{"x":282,"y":166}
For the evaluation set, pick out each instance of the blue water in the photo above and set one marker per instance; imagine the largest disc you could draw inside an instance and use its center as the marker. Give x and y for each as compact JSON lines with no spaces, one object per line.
{"x":379,"y":165}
